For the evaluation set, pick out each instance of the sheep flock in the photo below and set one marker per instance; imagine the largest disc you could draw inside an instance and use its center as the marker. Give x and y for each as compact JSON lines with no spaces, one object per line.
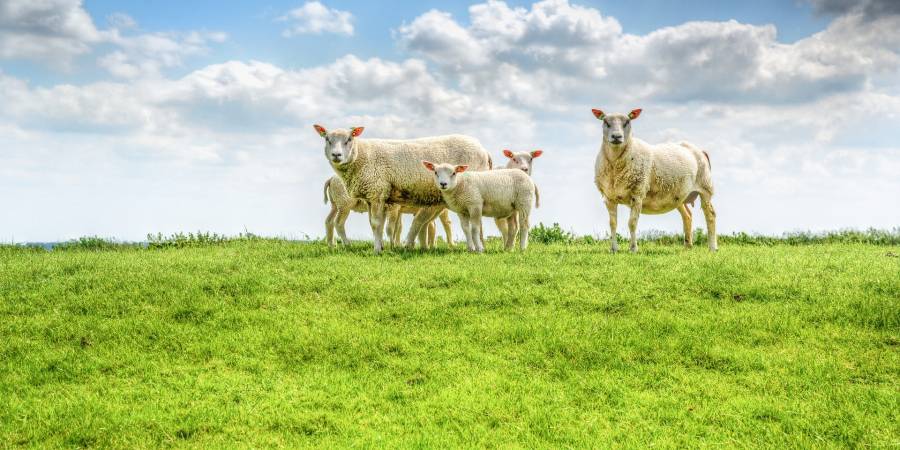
{"x":429,"y":177}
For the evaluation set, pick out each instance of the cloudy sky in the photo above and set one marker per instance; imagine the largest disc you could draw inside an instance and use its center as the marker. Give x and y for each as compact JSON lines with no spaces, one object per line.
{"x":122,"y":118}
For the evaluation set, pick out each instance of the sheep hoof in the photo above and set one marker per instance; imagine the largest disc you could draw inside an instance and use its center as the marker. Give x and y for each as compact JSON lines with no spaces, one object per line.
{"x":633,"y":249}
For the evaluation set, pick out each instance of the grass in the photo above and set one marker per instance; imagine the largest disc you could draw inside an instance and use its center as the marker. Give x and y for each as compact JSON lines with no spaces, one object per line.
{"x":266,"y":343}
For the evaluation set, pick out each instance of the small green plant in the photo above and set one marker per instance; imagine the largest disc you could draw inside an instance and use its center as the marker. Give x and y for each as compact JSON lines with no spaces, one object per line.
{"x":551,"y":235}
{"x":93,"y":243}
{"x":198,"y":239}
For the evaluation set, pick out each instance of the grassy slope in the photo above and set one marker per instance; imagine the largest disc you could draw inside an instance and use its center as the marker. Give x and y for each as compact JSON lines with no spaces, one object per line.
{"x":272,"y":343}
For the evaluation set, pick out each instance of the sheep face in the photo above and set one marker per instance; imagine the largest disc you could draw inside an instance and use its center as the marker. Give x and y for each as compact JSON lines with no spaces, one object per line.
{"x":523,"y":161}
{"x":445,"y":175}
{"x":339,"y":143}
{"x":616,"y":127}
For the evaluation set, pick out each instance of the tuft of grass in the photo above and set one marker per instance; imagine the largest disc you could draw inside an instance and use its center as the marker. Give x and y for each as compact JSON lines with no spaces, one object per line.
{"x":550,"y":235}
{"x":269,"y":343}
{"x":93,"y":243}
{"x":198,"y":239}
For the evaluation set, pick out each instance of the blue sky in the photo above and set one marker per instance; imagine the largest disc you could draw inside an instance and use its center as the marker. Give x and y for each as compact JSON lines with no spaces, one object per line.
{"x":126,"y":118}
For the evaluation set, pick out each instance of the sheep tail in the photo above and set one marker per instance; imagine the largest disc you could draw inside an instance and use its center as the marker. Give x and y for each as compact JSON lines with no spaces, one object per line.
{"x":707,"y":160}
{"x":490,"y":162}
{"x":327,"y":182}
{"x":537,"y":197}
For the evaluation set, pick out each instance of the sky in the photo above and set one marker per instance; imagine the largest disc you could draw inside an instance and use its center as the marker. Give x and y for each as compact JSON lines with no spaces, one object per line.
{"x":123,"y":118}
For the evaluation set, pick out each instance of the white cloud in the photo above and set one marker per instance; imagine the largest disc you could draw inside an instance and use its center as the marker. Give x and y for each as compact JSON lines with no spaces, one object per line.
{"x":58,"y":31}
{"x":148,"y":54}
{"x":121,"y":21}
{"x":573,"y":50}
{"x":52,"y":30}
{"x":316,"y":18}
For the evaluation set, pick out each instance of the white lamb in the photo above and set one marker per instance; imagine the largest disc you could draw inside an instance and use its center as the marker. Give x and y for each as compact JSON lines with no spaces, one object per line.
{"x":494,"y":193}
{"x":523,"y":161}
{"x":342,"y":205}
{"x":386,"y":172}
{"x":653,"y":179}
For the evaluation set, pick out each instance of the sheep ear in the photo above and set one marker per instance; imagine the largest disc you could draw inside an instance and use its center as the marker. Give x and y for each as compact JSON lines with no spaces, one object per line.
{"x":598,"y":114}
{"x":428,"y":165}
{"x":460,"y":169}
{"x":537,"y":153}
{"x":356,"y":131}
{"x":321,"y":130}
{"x":507,"y":153}
{"x":634,"y":114}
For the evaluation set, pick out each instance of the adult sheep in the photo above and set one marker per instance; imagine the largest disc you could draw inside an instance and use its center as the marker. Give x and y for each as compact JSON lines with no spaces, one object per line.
{"x":387,"y":172}
{"x":652,"y":179}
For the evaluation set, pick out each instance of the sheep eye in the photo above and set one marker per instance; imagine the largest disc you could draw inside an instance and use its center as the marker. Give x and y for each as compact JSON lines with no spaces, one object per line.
{"x":627,"y":122}
{"x":348,"y":141}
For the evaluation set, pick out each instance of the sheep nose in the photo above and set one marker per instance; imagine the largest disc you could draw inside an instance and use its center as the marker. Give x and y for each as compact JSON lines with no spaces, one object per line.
{"x":443,"y":184}
{"x":335,"y":155}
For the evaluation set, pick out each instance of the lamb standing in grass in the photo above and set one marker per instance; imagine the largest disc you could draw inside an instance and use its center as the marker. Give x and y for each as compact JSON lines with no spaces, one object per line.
{"x":653,"y":179}
{"x":386,"y":172}
{"x":523,"y":161}
{"x":495,"y":193}
{"x":341,"y":206}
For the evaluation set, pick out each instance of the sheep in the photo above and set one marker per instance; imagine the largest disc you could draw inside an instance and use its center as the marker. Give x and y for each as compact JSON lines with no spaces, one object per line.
{"x":523,"y":161}
{"x":342,"y":205}
{"x":385,"y":172}
{"x":494,"y":193}
{"x":652,"y":179}
{"x":395,"y":226}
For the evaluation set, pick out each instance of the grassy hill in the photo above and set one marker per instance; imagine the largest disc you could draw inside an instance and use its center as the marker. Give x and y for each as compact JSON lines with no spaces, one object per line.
{"x":271,"y":343}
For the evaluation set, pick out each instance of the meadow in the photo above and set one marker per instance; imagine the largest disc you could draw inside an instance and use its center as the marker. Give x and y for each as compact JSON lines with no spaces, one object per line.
{"x":249,"y":342}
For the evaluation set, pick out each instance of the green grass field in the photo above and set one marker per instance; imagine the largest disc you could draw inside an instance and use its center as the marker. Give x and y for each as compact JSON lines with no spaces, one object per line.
{"x":266,"y":343}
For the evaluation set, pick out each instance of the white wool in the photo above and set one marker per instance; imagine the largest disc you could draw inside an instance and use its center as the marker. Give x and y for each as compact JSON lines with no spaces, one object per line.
{"x":501,"y":193}
{"x":388,"y":172}
{"x":341,"y":206}
{"x":523,"y":161}
{"x":652,"y":179}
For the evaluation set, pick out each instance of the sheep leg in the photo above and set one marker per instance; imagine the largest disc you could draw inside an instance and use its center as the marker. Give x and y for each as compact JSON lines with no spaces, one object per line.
{"x":612,"y":209}
{"x":475,"y":224}
{"x":710,"y":214}
{"x":467,"y":232}
{"x":686,"y":223}
{"x":432,"y":231}
{"x":523,"y":227}
{"x":423,"y":236}
{"x":636,"y":206}
{"x":419,"y":220}
{"x":503,"y":227}
{"x":339,"y":223}
{"x":512,"y":227}
{"x":329,"y":226}
{"x":377,"y":212}
{"x":448,"y":227}
{"x":393,"y":222}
